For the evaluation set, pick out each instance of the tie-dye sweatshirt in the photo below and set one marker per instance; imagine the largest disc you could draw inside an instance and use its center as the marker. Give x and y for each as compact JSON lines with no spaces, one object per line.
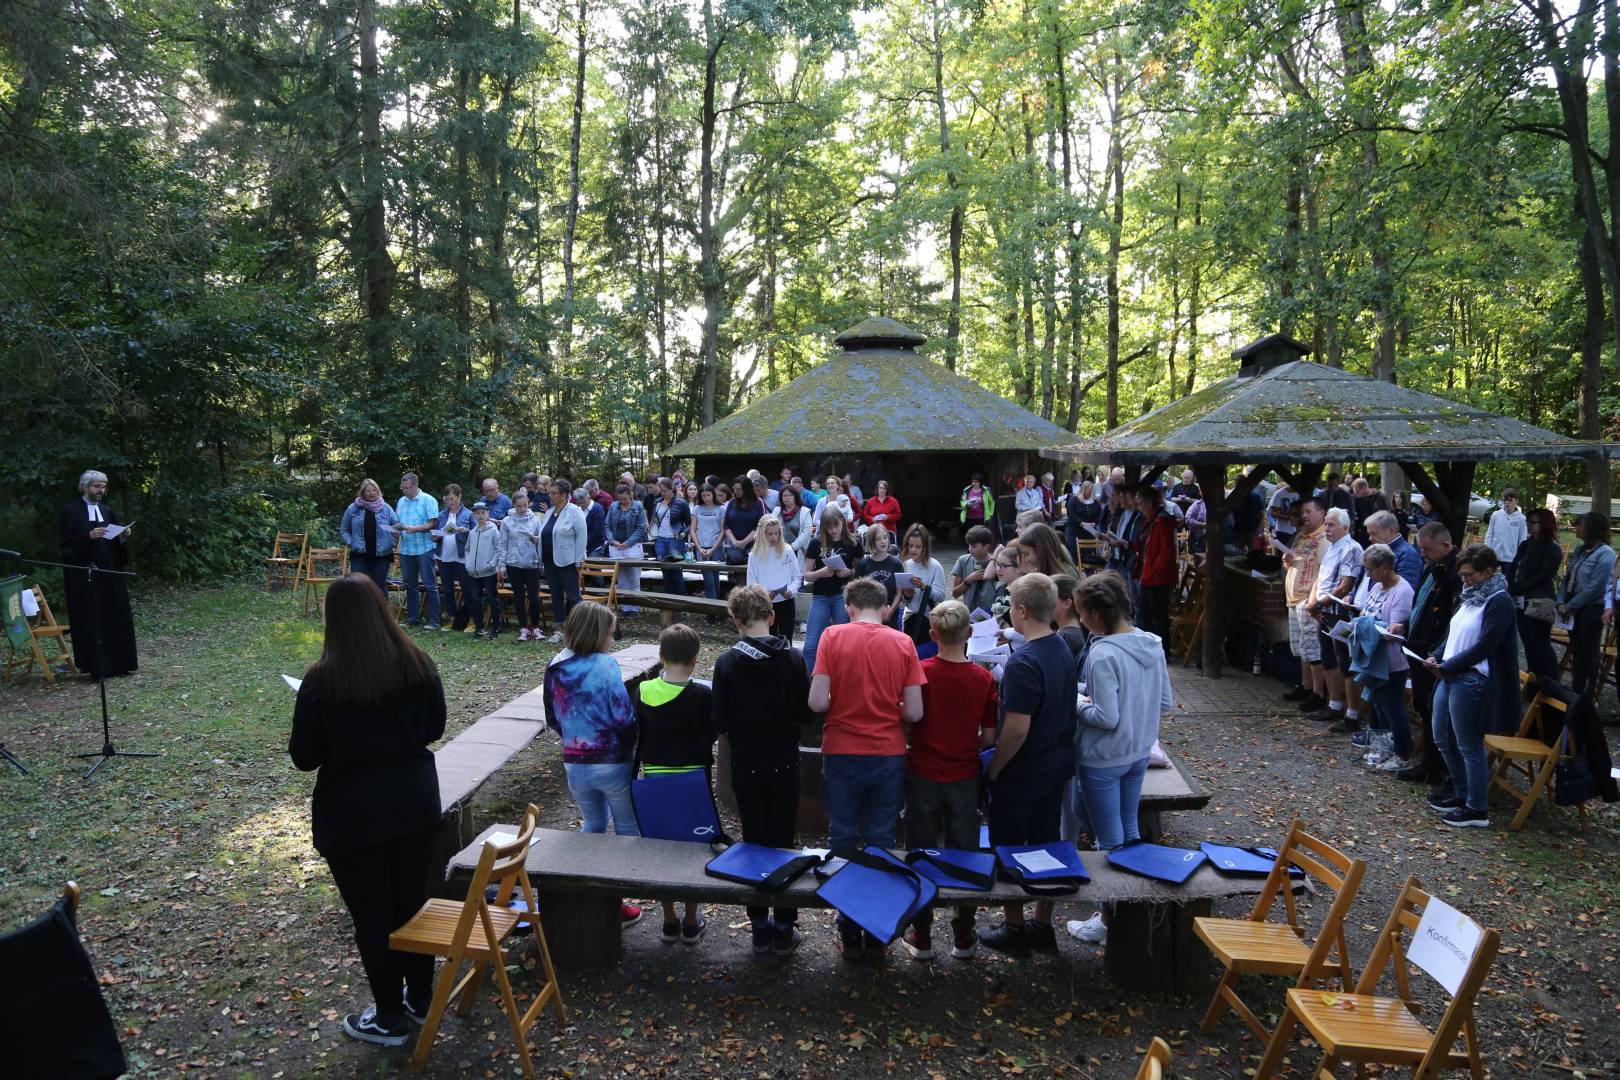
{"x":587,"y":705}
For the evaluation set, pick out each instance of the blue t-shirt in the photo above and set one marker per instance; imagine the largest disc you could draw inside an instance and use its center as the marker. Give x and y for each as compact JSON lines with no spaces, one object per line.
{"x":1041,"y":680}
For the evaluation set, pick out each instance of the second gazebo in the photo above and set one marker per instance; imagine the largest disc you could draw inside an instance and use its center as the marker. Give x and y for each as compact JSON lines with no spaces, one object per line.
{"x":1283,"y":414}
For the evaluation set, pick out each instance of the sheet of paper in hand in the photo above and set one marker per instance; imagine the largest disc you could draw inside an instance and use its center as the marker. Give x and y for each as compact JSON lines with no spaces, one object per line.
{"x":835,"y":562}
{"x":1444,"y":943}
{"x":1342,"y":632}
{"x":905,"y":581}
{"x":293,"y":684}
{"x":983,"y":629}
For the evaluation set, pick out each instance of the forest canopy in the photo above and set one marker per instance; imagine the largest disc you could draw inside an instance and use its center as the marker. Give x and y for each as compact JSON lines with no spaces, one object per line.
{"x":251,"y":250}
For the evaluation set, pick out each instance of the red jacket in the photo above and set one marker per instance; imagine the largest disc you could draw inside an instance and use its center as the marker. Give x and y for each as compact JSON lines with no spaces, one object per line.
{"x":1155,"y":550}
{"x":890,"y":506}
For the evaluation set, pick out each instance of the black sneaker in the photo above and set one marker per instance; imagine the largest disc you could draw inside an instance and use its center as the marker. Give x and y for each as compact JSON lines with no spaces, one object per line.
{"x":1416,"y":773}
{"x":1326,"y":716}
{"x":1464,"y":818}
{"x":1312,"y":704}
{"x":1443,"y":801}
{"x":1345,"y":726}
{"x":417,"y":1014}
{"x":784,"y":939}
{"x":1298,"y":693}
{"x":1006,"y":938}
{"x":366,"y":1027}
{"x":1041,"y":936}
{"x":692,"y":933}
{"x":478,"y":633}
{"x":672,"y":933}
{"x":764,"y":936}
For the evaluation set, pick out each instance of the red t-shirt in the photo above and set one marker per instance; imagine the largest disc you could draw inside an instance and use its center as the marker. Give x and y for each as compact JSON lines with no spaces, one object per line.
{"x":869,"y":667}
{"x":959,"y":700}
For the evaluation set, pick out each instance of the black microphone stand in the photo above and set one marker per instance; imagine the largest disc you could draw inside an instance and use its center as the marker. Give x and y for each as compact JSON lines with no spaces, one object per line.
{"x":107,"y":749}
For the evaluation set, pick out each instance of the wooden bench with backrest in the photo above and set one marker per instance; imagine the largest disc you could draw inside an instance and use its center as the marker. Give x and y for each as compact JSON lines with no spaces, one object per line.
{"x":1364,"y":1029}
{"x":581,"y":878}
{"x":1257,"y":946}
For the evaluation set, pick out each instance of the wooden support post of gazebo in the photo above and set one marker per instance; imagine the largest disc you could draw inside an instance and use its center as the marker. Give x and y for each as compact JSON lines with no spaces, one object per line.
{"x":1286,"y":415}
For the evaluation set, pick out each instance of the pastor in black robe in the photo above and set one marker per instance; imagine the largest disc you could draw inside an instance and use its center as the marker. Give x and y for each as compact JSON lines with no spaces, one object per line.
{"x":102,"y":604}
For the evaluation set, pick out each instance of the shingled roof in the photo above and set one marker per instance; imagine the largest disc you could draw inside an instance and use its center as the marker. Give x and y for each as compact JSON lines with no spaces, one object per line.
{"x":1302,"y":412}
{"x":876,"y":396}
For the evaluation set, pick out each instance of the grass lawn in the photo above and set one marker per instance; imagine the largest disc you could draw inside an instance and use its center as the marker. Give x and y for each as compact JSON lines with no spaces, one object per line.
{"x":225,"y":951}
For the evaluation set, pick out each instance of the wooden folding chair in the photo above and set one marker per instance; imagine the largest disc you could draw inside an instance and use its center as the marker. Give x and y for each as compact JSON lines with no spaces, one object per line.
{"x":1254,"y":946}
{"x":41,"y":628}
{"x":1530,"y":756}
{"x":473,"y":930}
{"x":599,"y":581}
{"x":322,"y":566}
{"x":1365,"y":1029}
{"x":282,"y":566}
{"x":1155,"y":1061}
{"x":396,"y":589}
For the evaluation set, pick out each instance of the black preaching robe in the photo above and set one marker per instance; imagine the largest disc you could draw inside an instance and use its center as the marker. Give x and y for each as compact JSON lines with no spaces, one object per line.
{"x":104,"y":604}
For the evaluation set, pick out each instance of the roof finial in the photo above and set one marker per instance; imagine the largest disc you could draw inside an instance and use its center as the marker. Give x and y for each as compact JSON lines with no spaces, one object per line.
{"x":879,"y":332}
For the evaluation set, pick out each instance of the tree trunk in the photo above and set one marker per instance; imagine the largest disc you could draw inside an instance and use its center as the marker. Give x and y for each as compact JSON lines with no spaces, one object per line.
{"x":953,"y":315}
{"x":565,"y":351}
{"x":1194,"y":280}
{"x":1116,"y":229}
{"x":377,"y":271}
{"x":708,"y":255}
{"x":1593,"y":328}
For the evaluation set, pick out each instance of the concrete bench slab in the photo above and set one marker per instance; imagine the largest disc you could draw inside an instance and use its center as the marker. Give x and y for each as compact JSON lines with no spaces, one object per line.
{"x":580,"y":879}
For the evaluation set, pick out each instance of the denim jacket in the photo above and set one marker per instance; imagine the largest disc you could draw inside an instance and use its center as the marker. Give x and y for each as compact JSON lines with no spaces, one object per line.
{"x":353,"y":530}
{"x":626,"y":527}
{"x":463,"y":520}
{"x":1587,"y":579}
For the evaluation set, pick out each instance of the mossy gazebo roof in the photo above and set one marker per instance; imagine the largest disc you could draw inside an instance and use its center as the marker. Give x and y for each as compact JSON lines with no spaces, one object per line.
{"x":877,"y":395}
{"x":1299,"y":412}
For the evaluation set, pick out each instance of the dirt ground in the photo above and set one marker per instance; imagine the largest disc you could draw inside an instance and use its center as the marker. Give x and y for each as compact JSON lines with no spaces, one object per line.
{"x":224,"y":951}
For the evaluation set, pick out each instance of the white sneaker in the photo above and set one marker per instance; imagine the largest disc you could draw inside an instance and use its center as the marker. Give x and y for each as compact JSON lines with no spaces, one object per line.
{"x":1392,"y":763}
{"x":1091,"y":930}
{"x":1374,"y":758}
{"x":556,"y":637}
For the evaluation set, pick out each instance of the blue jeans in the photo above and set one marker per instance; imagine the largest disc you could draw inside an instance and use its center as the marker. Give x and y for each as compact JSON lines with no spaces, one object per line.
{"x":825,"y":611}
{"x":1462,"y":715}
{"x":452,"y":574}
{"x":665,"y":547}
{"x":417,"y":570}
{"x":863,"y":794}
{"x":1111,"y":795}
{"x":601,"y":791}
{"x":1389,"y":707}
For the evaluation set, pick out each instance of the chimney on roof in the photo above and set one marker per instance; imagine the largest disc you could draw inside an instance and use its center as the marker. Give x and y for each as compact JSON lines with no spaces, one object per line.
{"x":879,"y":332}
{"x":1258,"y":357}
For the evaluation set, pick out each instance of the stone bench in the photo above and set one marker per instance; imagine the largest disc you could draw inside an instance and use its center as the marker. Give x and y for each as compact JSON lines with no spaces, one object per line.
{"x":466,"y":762}
{"x":580,"y":879}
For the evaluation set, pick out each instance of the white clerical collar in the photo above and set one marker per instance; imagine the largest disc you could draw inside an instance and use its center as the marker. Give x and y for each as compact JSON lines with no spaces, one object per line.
{"x":95,"y":510}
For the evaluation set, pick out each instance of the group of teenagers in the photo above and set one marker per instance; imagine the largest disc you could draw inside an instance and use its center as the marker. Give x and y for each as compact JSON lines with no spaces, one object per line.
{"x":1069,"y":725}
{"x":1372,"y":614}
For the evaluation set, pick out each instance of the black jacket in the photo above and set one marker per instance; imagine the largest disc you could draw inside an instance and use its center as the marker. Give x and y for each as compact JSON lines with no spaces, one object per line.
{"x":1535,"y":573}
{"x":678,"y":732}
{"x":377,"y":779}
{"x":1587,"y":732}
{"x":1498,"y":646}
{"x":1427,"y":629}
{"x":761,"y":701}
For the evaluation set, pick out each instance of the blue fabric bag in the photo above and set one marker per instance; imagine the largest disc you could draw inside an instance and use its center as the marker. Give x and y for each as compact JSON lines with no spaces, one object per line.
{"x":1244,"y":861}
{"x":877,"y":892}
{"x":1174,"y":865}
{"x":677,"y":806}
{"x":1032,"y":866}
{"x":768,"y":868}
{"x":950,"y":869}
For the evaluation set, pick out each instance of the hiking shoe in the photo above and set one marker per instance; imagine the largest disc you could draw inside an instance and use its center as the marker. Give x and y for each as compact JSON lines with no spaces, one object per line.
{"x":785,"y":939}
{"x":366,"y":1027}
{"x":1298,"y":693}
{"x":851,"y":941}
{"x":1464,"y":818}
{"x":1443,"y":801}
{"x":629,"y":915}
{"x":692,"y":933}
{"x":1393,"y":763}
{"x":919,"y":943}
{"x":1091,"y":930}
{"x":764,"y":935}
{"x":964,"y":942}
{"x":417,"y":1014}
{"x":1312,"y":704}
{"x":1006,"y":938}
{"x":671,"y":933}
{"x":1042,"y":938}
{"x":1345,"y":726}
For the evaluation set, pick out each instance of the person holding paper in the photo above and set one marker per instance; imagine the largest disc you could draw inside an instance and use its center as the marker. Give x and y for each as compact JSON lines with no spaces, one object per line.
{"x":1432,"y":607}
{"x":564,"y":541}
{"x":450,"y":534}
{"x":83,"y":537}
{"x":776,"y":568}
{"x":882,"y":509}
{"x":881,"y":565}
{"x":415,"y":514}
{"x":1081,"y":509}
{"x":1388,"y":601}
{"x":833,"y":545}
{"x":1341,"y":567}
{"x":1128,"y":688}
{"x":369,"y":528}
{"x":927,"y":586}
{"x":973,"y":578}
{"x":1034,"y":759}
{"x":365,"y":715}
{"x":626,"y":530}
{"x":1154,"y":564}
{"x":1301,"y":565}
{"x":521,"y":539}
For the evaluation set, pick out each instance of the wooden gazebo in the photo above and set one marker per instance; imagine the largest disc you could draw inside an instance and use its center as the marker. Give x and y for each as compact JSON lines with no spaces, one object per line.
{"x":1281,"y":413}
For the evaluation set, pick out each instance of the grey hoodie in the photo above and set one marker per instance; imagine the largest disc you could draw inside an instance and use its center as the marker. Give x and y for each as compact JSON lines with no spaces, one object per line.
{"x":1129,"y":686}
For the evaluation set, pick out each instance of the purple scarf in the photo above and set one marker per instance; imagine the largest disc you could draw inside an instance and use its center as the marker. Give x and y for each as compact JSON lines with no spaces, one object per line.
{"x":374,"y":505}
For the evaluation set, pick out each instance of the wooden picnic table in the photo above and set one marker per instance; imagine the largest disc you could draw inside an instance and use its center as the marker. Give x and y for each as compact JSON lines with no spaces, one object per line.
{"x":580,"y":879}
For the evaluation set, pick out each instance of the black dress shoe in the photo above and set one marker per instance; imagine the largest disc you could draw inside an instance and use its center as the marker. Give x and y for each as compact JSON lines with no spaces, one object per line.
{"x":1312,"y":704}
{"x":1417,"y":773}
{"x":1345,"y":726}
{"x":1298,"y":693}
